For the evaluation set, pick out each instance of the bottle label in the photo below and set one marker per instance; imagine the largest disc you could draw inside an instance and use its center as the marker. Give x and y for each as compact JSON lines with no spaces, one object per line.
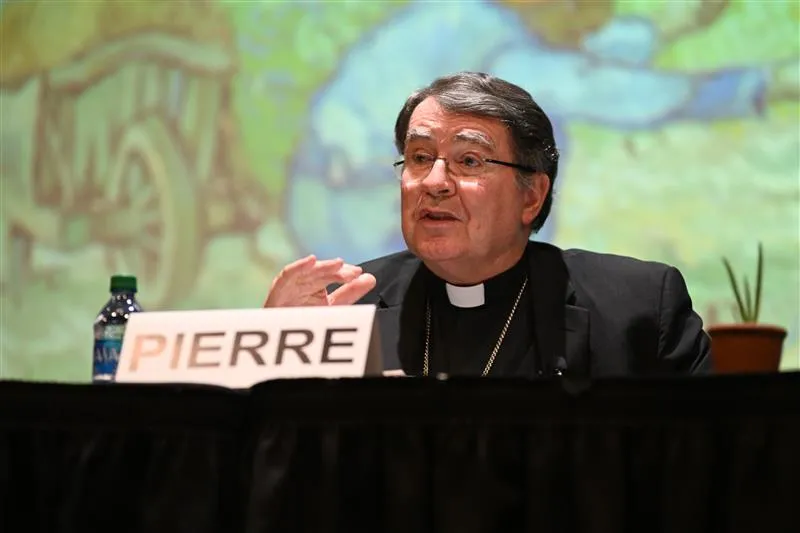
{"x":107,"y":349}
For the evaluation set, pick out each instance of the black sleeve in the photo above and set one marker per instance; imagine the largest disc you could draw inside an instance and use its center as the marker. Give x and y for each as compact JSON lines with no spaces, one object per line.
{"x":683,"y":345}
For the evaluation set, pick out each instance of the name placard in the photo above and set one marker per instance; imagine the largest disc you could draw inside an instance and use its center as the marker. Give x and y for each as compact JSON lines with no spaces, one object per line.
{"x":241,"y":347}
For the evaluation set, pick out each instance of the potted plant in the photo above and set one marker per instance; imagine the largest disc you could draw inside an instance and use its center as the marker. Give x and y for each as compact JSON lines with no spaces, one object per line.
{"x":747,"y":345}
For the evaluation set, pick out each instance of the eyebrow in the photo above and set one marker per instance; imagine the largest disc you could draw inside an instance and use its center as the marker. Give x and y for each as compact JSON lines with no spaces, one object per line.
{"x":418,"y":134}
{"x":468,"y":136}
{"x":474,"y":137}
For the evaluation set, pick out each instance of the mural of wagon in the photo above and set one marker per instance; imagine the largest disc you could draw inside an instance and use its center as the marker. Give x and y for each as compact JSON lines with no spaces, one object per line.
{"x":126,"y":145}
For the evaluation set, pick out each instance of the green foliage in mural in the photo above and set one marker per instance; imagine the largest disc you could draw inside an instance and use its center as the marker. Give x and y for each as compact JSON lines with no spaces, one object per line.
{"x":287,"y":50}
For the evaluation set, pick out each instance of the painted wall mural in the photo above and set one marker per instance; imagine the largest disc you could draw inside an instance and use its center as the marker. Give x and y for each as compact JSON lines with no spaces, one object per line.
{"x":202,"y":145}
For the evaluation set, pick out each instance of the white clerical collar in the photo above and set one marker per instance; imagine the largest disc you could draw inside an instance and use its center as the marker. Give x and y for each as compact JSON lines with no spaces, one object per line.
{"x":472,"y":296}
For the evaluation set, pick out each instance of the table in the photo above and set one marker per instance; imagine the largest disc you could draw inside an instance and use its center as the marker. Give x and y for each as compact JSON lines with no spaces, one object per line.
{"x":701,"y":454}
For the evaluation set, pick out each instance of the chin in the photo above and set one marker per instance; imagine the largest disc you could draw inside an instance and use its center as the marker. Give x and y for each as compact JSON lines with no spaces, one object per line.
{"x":440,"y":249}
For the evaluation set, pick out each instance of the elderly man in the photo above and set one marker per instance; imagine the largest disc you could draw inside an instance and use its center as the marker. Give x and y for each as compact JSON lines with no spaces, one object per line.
{"x":473,"y":295}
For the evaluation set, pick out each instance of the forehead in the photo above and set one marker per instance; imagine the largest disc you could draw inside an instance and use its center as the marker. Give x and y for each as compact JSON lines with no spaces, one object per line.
{"x":430,"y":121}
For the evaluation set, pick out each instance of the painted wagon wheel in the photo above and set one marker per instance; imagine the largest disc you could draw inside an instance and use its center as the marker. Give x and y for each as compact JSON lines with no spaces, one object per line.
{"x":156,"y":234}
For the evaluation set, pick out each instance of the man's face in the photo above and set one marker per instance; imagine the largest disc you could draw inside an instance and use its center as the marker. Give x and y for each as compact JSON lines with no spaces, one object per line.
{"x":448,"y":218}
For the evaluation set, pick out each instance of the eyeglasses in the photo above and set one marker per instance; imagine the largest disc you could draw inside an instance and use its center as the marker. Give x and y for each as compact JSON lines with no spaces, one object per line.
{"x":417,"y":166}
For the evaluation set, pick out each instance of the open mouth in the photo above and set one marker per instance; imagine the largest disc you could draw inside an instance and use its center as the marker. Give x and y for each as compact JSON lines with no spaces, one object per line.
{"x":438,"y":216}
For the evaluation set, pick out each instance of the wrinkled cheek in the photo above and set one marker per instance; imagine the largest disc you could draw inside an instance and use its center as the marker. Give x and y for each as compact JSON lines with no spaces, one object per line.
{"x":472,"y":196}
{"x":409,"y":195}
{"x":409,"y":188}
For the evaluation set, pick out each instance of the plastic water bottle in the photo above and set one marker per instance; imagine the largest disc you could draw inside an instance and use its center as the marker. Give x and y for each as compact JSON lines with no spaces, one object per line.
{"x":109,"y":327}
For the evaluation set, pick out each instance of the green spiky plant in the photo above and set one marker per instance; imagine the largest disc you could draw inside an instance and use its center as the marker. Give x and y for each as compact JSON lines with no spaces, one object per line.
{"x":748,"y":307}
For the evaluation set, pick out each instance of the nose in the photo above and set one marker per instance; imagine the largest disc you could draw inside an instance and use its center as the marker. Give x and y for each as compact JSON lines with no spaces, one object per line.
{"x":438,"y":182}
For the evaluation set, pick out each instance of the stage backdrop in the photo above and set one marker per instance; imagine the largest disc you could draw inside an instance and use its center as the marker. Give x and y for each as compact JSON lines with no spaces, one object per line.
{"x":202,"y":145}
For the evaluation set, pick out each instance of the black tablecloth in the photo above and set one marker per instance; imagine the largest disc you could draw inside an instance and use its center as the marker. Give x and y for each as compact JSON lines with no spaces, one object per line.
{"x":715,"y":454}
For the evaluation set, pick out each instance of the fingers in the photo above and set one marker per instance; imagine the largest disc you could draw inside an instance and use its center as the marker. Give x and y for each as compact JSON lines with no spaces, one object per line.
{"x":314,"y":275}
{"x":305,"y":281}
{"x":319,"y":278}
{"x":300,"y":266}
{"x":353,"y":290}
{"x":344,"y":273}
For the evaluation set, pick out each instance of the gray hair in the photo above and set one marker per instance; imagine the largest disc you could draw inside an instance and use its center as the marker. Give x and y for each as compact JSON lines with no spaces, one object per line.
{"x":483,"y":95}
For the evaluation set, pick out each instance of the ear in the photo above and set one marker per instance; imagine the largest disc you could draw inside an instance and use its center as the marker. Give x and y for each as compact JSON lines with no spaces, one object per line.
{"x":533,"y":197}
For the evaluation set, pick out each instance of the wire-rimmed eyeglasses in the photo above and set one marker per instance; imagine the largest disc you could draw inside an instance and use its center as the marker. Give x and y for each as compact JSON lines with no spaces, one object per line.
{"x":467,"y":165}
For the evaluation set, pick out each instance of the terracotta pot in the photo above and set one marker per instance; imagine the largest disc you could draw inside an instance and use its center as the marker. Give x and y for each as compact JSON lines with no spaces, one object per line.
{"x":741,"y":348}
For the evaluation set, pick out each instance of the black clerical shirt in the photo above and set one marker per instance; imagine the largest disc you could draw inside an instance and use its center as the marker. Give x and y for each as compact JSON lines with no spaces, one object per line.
{"x":463,"y":338}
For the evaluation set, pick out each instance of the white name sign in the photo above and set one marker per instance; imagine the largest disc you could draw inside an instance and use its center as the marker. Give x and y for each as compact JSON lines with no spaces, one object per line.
{"x":239,"y":348}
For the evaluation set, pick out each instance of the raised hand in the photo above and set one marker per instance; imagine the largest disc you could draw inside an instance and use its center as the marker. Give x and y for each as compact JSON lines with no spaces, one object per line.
{"x":305,"y":281}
